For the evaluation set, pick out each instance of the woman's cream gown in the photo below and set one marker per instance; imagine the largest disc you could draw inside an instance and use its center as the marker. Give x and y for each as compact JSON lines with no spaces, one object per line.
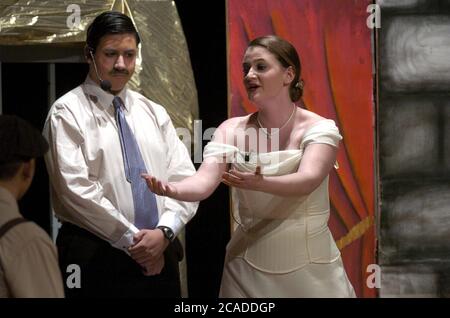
{"x":282,"y":246}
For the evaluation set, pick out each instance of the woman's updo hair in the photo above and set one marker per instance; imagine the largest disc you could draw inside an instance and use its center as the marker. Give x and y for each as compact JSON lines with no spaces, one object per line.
{"x":287,"y":55}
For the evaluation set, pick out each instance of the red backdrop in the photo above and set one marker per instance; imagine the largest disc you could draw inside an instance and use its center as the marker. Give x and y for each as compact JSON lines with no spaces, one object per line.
{"x":334,"y":44}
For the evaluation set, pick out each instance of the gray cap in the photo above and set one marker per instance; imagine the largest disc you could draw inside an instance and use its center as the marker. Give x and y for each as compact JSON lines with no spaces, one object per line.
{"x":19,"y":140}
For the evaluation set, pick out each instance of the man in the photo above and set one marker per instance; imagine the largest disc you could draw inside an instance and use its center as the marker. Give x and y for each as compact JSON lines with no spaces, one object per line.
{"x":102,"y":136}
{"x":28,"y":260}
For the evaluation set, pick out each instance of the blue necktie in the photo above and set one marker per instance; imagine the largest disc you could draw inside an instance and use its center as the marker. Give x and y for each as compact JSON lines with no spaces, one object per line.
{"x":145,"y":209}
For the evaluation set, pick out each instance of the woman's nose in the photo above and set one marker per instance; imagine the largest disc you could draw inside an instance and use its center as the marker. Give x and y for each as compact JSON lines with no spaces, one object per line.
{"x":250,"y":74}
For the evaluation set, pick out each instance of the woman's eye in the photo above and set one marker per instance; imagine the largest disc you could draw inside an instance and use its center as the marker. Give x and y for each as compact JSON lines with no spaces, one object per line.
{"x":261,"y":67}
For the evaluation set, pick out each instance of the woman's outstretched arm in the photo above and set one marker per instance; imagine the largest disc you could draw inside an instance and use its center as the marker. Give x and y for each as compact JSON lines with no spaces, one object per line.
{"x":203,"y":183}
{"x":315,"y":165}
{"x":195,"y":188}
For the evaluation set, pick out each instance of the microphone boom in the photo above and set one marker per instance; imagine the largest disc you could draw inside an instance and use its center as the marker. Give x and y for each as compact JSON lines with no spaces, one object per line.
{"x":104,"y":84}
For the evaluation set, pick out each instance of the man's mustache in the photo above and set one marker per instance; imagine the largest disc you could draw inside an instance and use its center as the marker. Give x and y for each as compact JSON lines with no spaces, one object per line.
{"x":115,"y":72}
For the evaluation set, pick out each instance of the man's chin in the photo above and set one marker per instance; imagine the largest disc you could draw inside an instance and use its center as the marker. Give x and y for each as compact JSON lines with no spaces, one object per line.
{"x":117,"y":87}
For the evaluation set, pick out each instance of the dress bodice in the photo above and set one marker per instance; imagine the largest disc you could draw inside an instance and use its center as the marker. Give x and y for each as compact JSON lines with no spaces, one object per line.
{"x":280,"y":234}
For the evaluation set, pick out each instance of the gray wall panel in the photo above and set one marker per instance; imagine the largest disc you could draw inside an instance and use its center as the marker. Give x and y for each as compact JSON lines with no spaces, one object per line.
{"x":414,"y":148}
{"x":416,"y":223}
{"x":401,"y":4}
{"x":415,"y":53}
{"x":408,"y":281}
{"x":446,"y":136}
{"x":408,"y":137}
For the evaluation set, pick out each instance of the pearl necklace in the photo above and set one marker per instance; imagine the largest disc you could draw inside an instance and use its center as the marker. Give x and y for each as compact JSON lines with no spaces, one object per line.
{"x":269,"y":135}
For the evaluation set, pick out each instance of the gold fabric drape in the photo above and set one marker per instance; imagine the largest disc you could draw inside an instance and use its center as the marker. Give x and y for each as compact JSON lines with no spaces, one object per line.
{"x":47,"y":21}
{"x":163,"y":72}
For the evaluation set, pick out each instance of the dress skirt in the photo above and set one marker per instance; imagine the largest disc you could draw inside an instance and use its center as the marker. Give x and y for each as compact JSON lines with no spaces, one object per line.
{"x":314,"y":280}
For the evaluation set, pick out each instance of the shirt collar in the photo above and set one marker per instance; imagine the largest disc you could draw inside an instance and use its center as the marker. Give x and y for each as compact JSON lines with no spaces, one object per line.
{"x":96,"y":94}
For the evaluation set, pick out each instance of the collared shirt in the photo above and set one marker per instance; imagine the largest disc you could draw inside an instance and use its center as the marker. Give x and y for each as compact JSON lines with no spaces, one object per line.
{"x":86,"y":169}
{"x":28,"y":258}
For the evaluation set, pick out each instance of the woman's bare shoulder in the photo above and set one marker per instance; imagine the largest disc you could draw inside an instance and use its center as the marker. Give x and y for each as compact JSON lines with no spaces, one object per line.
{"x":227,"y":131}
{"x":310,"y":118}
{"x":305,"y":120}
{"x":235,"y":122}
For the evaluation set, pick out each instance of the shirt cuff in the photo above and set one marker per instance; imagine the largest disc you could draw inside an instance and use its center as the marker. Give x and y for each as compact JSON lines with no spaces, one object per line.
{"x":126,"y":240}
{"x":172,"y":220}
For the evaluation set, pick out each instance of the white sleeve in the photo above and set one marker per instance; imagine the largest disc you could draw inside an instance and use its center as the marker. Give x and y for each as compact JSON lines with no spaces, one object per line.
{"x":176,"y":214}
{"x":81,"y":195}
{"x":220,"y":151}
{"x":323,"y":132}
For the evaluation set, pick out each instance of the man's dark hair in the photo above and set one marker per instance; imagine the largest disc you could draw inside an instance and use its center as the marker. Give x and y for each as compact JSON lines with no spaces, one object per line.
{"x":19,"y":142}
{"x":109,"y":22}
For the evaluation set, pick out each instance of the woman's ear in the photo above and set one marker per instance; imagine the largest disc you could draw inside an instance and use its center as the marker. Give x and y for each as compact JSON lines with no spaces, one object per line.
{"x":289,"y":75}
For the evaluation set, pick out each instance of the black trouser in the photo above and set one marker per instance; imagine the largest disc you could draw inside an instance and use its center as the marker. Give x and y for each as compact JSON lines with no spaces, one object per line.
{"x":109,"y":272}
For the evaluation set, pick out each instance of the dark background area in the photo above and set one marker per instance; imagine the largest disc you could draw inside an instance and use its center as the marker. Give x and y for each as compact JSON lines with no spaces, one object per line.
{"x":208,"y":233}
{"x":25,"y":89}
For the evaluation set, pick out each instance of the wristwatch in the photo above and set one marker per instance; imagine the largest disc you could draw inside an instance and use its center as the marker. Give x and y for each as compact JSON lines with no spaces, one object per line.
{"x":168,"y":233}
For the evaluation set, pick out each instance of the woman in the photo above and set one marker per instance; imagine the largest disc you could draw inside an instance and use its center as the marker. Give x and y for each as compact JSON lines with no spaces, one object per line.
{"x":282,"y":246}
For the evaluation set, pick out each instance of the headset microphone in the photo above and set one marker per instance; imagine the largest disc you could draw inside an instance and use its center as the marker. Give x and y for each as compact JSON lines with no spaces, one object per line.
{"x":104,"y":84}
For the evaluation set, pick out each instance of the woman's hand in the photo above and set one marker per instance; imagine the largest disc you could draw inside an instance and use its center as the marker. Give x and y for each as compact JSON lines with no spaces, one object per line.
{"x":159,"y":187}
{"x":243,"y":180}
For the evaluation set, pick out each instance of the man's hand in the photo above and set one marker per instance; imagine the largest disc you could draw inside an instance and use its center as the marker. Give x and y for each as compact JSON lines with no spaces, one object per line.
{"x":149,"y":247}
{"x":153,"y":268}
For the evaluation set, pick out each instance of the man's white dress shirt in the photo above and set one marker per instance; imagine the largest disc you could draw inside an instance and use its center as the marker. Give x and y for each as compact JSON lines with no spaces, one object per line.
{"x":86,"y":168}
